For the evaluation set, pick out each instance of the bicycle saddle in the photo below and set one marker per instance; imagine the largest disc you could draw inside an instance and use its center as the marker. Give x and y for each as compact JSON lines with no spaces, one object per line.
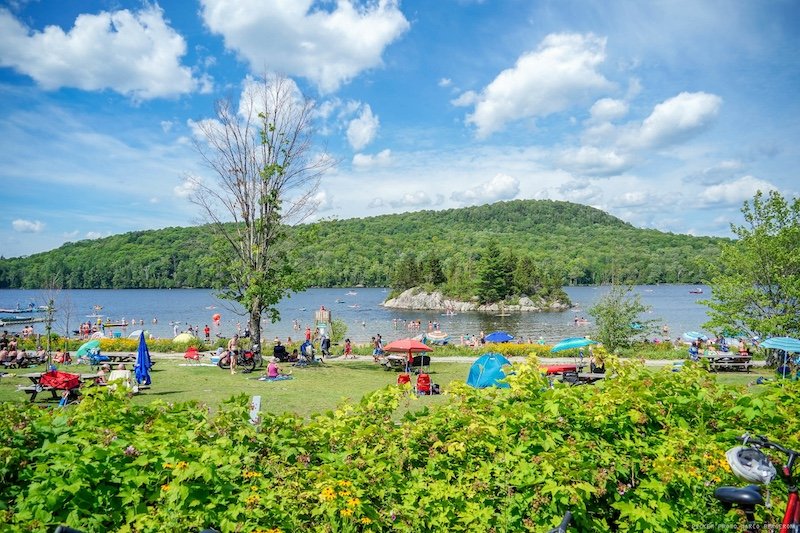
{"x":744,"y":496}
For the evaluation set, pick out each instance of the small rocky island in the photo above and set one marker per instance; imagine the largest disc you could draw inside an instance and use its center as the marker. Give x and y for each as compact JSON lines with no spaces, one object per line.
{"x":418,"y":299}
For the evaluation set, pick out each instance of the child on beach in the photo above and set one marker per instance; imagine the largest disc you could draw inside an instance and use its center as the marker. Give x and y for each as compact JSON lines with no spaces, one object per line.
{"x":348,"y":350}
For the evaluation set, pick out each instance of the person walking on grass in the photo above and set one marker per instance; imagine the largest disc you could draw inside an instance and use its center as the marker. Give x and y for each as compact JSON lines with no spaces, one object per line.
{"x":348,"y":350}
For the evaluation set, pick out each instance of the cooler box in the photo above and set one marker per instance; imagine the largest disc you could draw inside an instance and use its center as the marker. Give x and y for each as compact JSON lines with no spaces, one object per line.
{"x":215,"y":359}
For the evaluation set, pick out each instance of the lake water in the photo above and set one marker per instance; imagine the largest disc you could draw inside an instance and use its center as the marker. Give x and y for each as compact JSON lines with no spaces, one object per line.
{"x":360,"y":309}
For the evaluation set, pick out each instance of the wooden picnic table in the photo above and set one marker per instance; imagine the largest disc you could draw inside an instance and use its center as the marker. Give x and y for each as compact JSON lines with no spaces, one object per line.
{"x":122,"y":357}
{"x":731,"y":361}
{"x":37,"y":387}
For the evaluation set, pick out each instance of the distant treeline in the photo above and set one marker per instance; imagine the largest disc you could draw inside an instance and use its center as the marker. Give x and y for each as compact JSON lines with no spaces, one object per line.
{"x":563,"y":243}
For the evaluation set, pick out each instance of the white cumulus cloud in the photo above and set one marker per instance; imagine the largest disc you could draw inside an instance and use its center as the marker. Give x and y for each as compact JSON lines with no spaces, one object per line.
{"x":678,"y":118}
{"x":186,"y":188}
{"x":560,"y":73}
{"x":302,"y":38}
{"x":737,"y":191}
{"x":500,"y":187}
{"x":592,"y":161}
{"x":362,"y":130}
{"x":321,"y":200}
{"x":382,"y":158}
{"x":415,"y":199}
{"x":608,"y":109}
{"x":27,"y":226}
{"x":133,"y":53}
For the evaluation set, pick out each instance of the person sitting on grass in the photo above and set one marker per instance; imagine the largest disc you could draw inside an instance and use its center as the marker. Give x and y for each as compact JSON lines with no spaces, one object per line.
{"x":62,"y":357}
{"x":274,"y":372}
{"x":279,"y":351}
{"x":307,"y":350}
{"x":102,"y":374}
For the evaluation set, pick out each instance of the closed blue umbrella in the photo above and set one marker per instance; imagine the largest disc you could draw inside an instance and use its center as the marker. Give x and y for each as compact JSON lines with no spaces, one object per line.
{"x":572,"y":343}
{"x":499,"y":336}
{"x":143,"y":363}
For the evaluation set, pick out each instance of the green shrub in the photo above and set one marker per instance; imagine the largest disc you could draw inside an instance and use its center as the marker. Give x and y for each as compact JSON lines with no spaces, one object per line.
{"x":639,"y":452}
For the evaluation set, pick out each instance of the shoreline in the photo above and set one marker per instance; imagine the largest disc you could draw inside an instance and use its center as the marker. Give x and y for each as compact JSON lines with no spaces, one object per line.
{"x":545,"y":361}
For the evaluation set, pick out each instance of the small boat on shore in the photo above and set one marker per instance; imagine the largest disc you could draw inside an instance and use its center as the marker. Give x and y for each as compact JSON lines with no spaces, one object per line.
{"x":698,"y":290}
{"x":20,"y":320}
{"x":22,"y":310}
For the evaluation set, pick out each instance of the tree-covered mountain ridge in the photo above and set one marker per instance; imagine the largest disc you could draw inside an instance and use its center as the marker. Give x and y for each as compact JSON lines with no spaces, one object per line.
{"x":575,"y":243}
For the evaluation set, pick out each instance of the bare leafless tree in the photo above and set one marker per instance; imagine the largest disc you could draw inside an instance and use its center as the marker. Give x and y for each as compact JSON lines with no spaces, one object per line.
{"x":266,"y":173}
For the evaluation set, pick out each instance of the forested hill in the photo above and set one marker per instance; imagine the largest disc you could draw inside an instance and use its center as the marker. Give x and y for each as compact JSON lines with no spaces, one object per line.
{"x":579,"y":243}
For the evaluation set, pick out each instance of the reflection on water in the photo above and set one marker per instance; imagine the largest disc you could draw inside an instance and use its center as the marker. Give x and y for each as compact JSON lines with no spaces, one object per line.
{"x":359,"y":308}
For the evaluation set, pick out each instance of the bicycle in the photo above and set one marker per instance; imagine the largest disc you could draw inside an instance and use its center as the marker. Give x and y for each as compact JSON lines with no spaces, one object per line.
{"x":244,"y":360}
{"x":562,"y":527}
{"x":750,"y":464}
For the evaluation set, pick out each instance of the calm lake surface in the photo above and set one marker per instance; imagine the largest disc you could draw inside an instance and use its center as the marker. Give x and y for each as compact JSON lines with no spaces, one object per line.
{"x":360,"y":308}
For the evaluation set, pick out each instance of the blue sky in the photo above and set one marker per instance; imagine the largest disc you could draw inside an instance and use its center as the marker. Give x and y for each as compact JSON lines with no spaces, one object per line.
{"x":666,"y":114}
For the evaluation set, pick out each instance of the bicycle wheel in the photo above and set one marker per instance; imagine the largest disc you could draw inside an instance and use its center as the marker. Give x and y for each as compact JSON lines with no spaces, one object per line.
{"x":258,"y":360}
{"x":247,"y":365}
{"x":224,"y":362}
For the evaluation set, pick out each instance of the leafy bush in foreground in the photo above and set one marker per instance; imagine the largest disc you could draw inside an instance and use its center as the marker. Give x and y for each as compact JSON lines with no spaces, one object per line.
{"x":639,"y":452}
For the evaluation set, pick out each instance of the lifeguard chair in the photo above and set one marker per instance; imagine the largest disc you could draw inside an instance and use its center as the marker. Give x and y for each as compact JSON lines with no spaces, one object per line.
{"x":322,"y":321}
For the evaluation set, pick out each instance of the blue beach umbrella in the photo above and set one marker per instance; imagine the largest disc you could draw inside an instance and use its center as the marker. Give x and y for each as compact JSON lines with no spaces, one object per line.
{"x":787,"y":344}
{"x":694,"y":335}
{"x":143,"y":363}
{"x":572,"y":343}
{"x":86,"y":347}
{"x":499,"y":336}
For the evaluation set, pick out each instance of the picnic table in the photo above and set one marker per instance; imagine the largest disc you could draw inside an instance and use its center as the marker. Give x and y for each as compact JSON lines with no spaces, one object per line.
{"x":114,"y":358}
{"x":572,"y":373}
{"x":401,"y":362}
{"x":730,"y":361}
{"x":37,"y":387}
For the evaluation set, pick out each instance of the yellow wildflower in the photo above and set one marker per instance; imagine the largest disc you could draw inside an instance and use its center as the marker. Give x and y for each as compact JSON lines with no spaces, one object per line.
{"x":352,"y":502}
{"x":248,"y":474}
{"x":366,"y":520}
{"x":345,"y":484}
{"x":181,"y":464}
{"x":344,"y":493}
{"x":252,"y":500}
{"x":254,"y":488}
{"x":346,"y":512}
{"x":328,"y":494}
{"x":167,"y":465}
{"x":165,"y":487}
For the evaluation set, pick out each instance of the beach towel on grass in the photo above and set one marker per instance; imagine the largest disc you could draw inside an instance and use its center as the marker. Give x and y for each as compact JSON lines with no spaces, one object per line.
{"x":279,"y":378}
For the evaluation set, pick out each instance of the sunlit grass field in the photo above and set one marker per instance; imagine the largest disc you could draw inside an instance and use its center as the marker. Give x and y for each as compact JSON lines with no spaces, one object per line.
{"x":311,"y":390}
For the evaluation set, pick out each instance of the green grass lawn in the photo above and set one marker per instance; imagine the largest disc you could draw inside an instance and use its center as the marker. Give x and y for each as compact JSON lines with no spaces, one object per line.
{"x":312,"y":390}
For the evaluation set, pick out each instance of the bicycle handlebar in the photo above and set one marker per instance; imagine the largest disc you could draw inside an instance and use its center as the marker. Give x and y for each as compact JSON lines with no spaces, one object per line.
{"x":562,"y":527}
{"x":764,"y":442}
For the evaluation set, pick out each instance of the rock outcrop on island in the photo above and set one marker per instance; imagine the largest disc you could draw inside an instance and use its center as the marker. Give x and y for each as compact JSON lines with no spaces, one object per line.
{"x":417,"y":299}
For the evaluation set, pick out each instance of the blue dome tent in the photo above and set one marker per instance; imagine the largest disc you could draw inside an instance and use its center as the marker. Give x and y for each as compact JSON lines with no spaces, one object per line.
{"x":487,"y":371}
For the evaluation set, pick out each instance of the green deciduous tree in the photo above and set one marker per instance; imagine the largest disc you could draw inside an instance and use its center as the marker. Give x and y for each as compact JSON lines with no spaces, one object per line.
{"x":266,"y":173}
{"x":756,"y":280}
{"x":615,"y":313}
